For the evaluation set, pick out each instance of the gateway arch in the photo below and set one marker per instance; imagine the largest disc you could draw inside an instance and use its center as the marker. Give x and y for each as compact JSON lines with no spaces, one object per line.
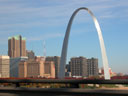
{"x":65,"y":45}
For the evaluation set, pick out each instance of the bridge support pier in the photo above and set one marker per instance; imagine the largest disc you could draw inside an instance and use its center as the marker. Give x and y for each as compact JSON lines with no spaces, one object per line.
{"x":74,"y":85}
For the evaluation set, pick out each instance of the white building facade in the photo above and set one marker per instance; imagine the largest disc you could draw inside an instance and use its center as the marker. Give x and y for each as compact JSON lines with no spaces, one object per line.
{"x":4,"y":66}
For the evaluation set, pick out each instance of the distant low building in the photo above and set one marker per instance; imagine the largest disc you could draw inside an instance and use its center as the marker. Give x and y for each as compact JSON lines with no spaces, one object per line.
{"x":56,"y":60}
{"x":120,"y":74}
{"x":30,"y":54}
{"x":67,"y":71}
{"x":4,"y":66}
{"x":37,"y":68}
{"x":31,"y":68}
{"x":101,"y":72}
{"x":49,"y":69}
{"x":68,"y":68}
{"x":38,"y":58}
{"x":22,"y":72}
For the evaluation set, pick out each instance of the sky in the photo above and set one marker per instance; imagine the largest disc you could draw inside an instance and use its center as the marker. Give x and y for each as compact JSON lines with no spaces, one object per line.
{"x":46,"y":20}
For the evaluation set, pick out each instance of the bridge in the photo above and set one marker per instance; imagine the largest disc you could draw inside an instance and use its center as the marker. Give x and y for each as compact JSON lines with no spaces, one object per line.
{"x":72,"y":90}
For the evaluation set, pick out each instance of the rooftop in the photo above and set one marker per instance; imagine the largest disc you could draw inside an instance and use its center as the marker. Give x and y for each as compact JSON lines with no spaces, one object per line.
{"x":17,"y":37}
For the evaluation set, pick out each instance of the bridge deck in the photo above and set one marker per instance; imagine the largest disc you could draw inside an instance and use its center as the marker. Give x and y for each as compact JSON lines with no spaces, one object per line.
{"x":60,"y":92}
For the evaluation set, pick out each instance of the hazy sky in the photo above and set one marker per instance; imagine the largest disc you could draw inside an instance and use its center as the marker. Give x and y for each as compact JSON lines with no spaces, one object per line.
{"x":39,"y":20}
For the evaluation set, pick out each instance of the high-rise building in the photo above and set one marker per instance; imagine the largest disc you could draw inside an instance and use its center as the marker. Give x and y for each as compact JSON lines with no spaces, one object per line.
{"x":78,"y":66}
{"x":56,"y":60}
{"x":4,"y":66}
{"x":92,"y":67}
{"x":16,"y":46}
{"x":30,"y":54}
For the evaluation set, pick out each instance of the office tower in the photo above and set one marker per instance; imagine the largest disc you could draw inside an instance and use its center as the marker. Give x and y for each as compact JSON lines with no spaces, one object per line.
{"x":56,"y":60}
{"x":4,"y":66}
{"x":78,"y":67}
{"x":30,"y":54}
{"x":16,"y":46}
{"x":92,"y":67}
{"x":14,"y":65}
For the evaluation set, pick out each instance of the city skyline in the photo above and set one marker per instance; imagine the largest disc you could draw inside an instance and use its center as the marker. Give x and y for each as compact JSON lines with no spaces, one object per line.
{"x":36,"y":27}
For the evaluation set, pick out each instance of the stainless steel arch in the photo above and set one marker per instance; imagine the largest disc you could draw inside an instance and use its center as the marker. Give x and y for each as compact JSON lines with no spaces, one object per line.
{"x":65,"y":45}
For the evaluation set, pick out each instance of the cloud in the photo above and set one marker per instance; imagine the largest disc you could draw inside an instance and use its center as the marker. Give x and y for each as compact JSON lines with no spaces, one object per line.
{"x":44,"y":37}
{"x":17,"y":11}
{"x":3,"y":40}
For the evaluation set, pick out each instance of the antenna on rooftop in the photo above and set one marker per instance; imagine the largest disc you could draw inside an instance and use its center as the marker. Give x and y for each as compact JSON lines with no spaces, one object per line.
{"x":44,"y":50}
